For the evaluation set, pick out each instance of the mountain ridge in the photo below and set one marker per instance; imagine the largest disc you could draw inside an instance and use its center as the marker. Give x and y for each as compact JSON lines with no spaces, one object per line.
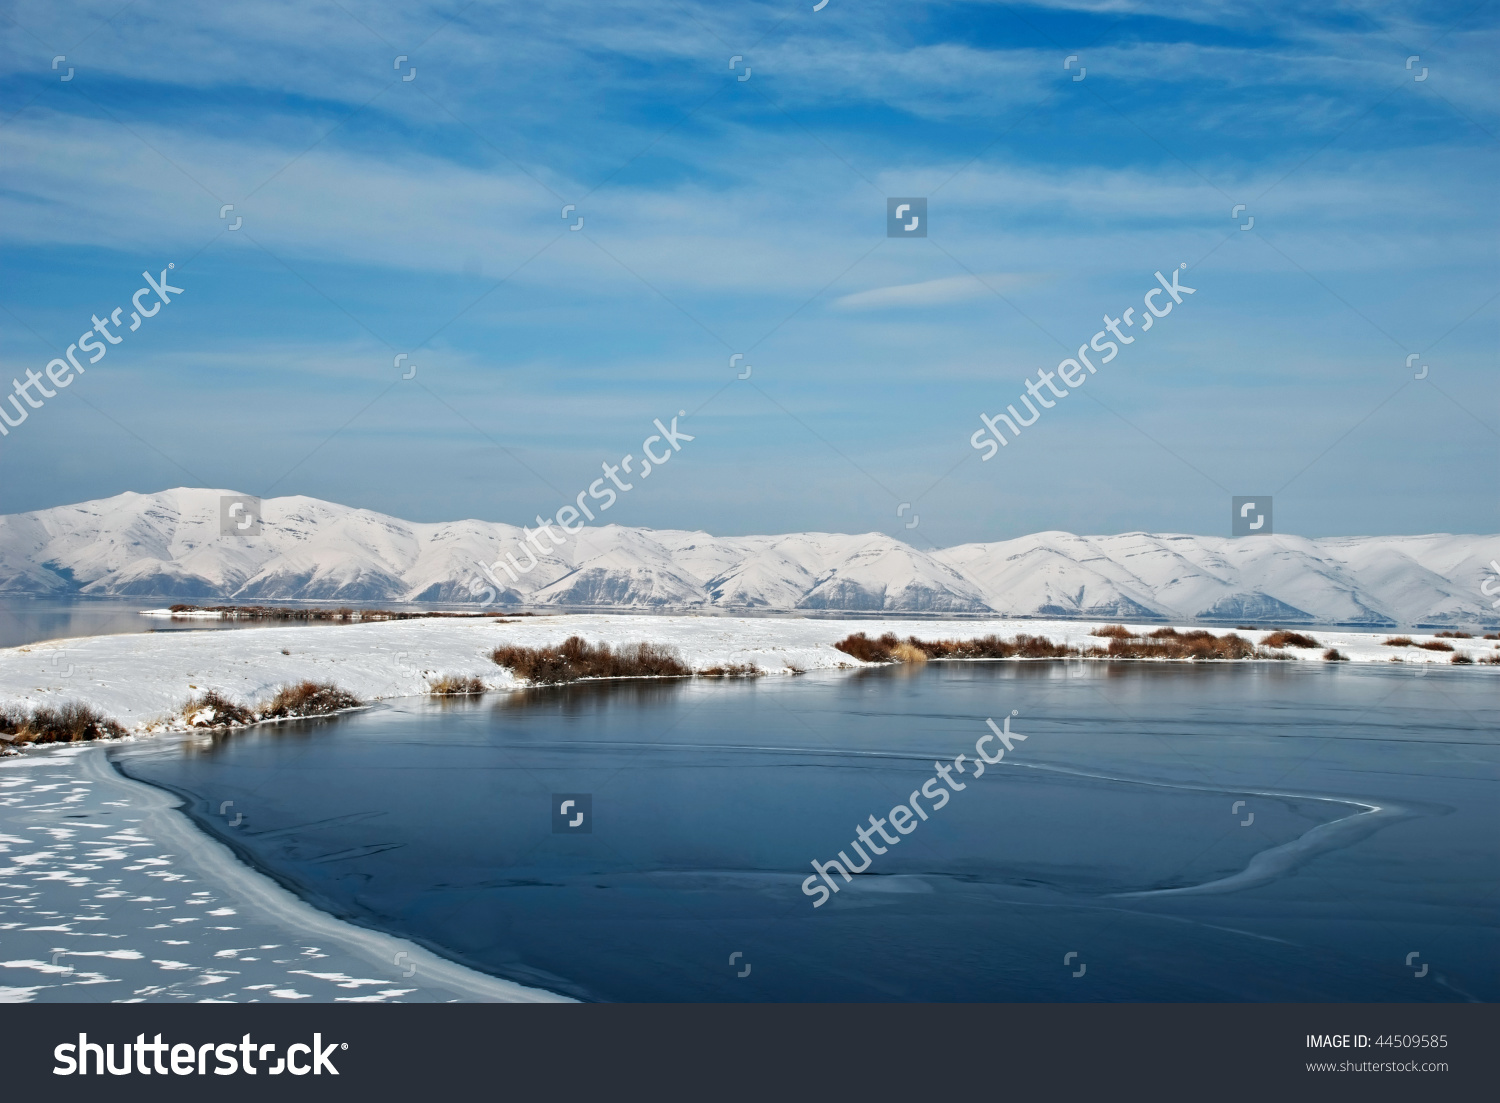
{"x":169,"y":545}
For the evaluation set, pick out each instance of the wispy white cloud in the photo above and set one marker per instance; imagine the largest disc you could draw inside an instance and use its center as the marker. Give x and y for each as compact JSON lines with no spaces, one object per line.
{"x":953,"y":289}
{"x":759,"y":212}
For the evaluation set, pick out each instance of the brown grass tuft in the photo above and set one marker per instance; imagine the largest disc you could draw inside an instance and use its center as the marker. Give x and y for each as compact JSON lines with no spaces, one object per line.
{"x":905,"y":652}
{"x":1334,"y":655}
{"x":1453,"y":635}
{"x":212,"y":710}
{"x":1397,"y":641}
{"x":455,"y":685}
{"x":68,"y":723}
{"x":1435,"y":645}
{"x":576,"y":658}
{"x":1114,"y":631}
{"x":1288,"y":639}
{"x":308,"y":699}
{"x":1460,"y":659}
{"x":734,"y":670}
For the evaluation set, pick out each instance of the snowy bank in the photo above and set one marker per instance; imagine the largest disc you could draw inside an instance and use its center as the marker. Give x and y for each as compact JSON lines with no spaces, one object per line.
{"x":117,"y":897}
{"x":143,"y":680}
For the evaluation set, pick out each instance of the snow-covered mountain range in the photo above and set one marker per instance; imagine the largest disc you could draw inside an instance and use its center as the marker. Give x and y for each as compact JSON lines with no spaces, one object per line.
{"x":169,"y":545}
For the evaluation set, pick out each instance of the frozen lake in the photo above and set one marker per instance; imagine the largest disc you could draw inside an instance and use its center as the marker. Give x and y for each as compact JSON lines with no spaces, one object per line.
{"x":1168,"y":832}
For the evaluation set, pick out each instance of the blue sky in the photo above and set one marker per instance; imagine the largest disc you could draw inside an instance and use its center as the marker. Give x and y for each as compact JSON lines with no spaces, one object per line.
{"x":383,"y":216}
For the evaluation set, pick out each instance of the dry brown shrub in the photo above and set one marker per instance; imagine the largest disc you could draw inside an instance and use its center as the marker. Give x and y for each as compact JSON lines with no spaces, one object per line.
{"x":1164,"y":643}
{"x":1453,"y":635}
{"x":982,"y":647}
{"x":1396,"y":641}
{"x":1334,"y":655}
{"x":866,"y":650}
{"x":1289,"y":639}
{"x":576,"y":658}
{"x":1460,"y":659}
{"x":890,"y":649}
{"x":213,"y":710}
{"x":308,"y":699}
{"x":1435,"y":645}
{"x":733,"y":670}
{"x":455,"y":685}
{"x":1039,"y":647}
{"x":67,"y":723}
{"x":1114,"y":631}
{"x":1197,"y":645}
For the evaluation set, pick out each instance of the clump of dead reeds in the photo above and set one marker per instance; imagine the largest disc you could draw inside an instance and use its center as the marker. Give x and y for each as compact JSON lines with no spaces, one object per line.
{"x":576,"y":658}
{"x":1288,"y":639}
{"x":67,"y":723}
{"x":907,"y":651}
{"x":860,"y":646}
{"x":1196,"y":644}
{"x":455,"y":685}
{"x":214,"y":710}
{"x":733,"y":670}
{"x":308,"y":699}
{"x":889,"y":648}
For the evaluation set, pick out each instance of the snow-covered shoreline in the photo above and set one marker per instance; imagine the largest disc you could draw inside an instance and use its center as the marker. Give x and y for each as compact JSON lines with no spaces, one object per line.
{"x":115,"y":895}
{"x":143,"y":680}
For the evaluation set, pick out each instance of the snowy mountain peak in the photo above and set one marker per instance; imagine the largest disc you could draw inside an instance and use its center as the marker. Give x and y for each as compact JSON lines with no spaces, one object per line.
{"x":170,"y":545}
